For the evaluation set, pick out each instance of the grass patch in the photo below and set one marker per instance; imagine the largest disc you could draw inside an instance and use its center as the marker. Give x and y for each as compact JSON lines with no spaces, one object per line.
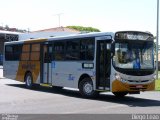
{"x":157,"y":85}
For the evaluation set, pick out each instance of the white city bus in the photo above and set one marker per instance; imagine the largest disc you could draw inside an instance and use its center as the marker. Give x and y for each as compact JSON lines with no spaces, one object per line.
{"x":121,"y":62}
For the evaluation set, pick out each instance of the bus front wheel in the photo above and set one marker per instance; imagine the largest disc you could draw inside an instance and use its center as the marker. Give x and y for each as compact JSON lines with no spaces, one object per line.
{"x":29,"y":80}
{"x":86,"y":88}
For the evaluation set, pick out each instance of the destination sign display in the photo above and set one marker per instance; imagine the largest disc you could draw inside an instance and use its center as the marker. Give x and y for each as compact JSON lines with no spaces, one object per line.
{"x":133,"y":36}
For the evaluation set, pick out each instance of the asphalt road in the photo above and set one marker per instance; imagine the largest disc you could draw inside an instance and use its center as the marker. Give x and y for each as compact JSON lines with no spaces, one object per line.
{"x":16,"y":99}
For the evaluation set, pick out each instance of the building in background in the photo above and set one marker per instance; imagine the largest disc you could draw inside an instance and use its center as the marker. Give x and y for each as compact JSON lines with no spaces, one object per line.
{"x":59,"y":29}
{"x":51,"y":32}
{"x":7,"y":36}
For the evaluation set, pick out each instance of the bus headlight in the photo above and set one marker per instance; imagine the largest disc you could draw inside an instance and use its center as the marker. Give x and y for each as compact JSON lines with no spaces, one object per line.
{"x":154,"y":77}
{"x":117,"y":76}
{"x":123,"y":80}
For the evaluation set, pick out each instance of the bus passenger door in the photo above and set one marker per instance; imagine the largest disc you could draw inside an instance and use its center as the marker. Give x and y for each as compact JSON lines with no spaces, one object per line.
{"x":46,"y":58}
{"x":103,"y":64}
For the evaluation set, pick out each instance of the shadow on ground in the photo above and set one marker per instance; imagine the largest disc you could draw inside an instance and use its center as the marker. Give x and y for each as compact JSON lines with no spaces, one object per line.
{"x":128,"y":100}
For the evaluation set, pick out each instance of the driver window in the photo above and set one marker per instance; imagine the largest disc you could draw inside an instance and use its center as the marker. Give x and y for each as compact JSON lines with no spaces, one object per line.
{"x":122,"y":53}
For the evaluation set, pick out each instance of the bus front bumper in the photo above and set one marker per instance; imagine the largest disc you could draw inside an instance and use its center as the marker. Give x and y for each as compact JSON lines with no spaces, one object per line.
{"x":118,"y":86}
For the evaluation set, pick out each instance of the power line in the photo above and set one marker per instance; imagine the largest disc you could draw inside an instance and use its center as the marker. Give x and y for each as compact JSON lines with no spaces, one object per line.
{"x":59,"y":18}
{"x":157,"y":39}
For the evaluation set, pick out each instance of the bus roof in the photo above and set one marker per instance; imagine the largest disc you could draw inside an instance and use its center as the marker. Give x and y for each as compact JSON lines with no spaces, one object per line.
{"x":92,"y":34}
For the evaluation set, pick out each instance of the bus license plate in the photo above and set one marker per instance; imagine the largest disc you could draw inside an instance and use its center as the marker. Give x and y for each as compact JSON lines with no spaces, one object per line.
{"x":139,"y":86}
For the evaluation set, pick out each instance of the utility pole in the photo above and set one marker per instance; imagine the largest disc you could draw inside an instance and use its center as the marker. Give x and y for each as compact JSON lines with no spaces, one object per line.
{"x":157,"y":47}
{"x":59,"y":18}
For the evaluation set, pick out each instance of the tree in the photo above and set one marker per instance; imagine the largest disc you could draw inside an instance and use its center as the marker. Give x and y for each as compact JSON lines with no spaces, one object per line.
{"x":6,"y":27}
{"x":84,"y":29}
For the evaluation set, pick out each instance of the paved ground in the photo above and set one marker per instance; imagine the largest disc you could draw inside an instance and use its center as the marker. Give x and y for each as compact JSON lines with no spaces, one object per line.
{"x":1,"y":71}
{"x":16,"y":99}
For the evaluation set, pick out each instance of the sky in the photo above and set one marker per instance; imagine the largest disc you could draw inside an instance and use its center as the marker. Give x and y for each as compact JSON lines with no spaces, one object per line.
{"x":106,"y":15}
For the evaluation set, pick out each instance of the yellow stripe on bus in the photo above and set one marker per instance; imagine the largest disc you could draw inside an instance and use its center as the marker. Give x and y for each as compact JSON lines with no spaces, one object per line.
{"x":46,"y":85}
{"x":26,"y":65}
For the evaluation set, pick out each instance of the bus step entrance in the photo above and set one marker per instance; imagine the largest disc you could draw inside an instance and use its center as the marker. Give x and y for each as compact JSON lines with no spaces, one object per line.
{"x":104,"y":83}
{"x":46,"y":85}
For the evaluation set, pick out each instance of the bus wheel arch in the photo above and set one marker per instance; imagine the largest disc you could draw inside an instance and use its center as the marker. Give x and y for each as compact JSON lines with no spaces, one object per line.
{"x":82,"y":77}
{"x":28,"y":79}
{"x":86,"y":87}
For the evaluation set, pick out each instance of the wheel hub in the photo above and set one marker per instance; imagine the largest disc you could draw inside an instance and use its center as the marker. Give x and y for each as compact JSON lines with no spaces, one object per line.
{"x":88,"y":88}
{"x":29,"y":81}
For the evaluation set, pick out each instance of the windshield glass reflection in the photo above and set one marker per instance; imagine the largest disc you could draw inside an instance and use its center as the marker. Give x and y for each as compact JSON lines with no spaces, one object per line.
{"x":134,"y":55}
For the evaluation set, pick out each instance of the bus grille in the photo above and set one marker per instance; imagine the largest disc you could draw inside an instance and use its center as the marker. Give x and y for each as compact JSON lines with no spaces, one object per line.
{"x":138,"y":81}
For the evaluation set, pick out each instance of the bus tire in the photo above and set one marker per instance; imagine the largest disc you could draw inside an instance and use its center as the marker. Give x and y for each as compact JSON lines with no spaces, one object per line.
{"x":29,"y":80}
{"x":86,"y":88}
{"x":120,"y":94}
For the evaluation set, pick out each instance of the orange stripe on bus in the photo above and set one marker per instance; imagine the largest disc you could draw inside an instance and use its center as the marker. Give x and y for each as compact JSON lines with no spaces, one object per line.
{"x":27,"y":65}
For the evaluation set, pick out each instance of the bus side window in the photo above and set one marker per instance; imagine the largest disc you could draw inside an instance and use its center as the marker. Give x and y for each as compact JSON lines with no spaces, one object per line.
{"x":25,"y":52}
{"x":90,"y":50}
{"x":87,"y":49}
{"x":59,"y":49}
{"x":72,"y":50}
{"x":82,"y":50}
{"x":13,"y":52}
{"x":35,"y":52}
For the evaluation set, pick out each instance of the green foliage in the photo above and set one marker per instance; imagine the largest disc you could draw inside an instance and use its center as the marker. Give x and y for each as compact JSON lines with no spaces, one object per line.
{"x":86,"y":29}
{"x":157,"y":85}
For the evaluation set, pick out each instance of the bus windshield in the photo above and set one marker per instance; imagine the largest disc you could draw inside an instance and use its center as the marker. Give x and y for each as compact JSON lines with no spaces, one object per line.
{"x":134,"y":55}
